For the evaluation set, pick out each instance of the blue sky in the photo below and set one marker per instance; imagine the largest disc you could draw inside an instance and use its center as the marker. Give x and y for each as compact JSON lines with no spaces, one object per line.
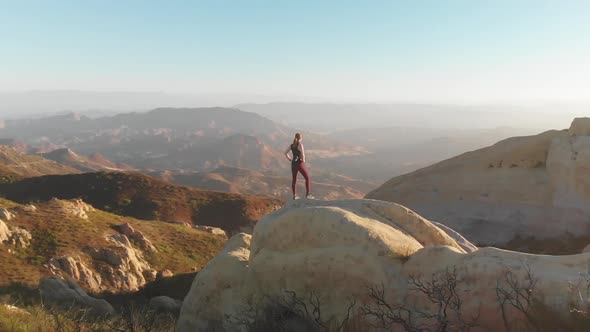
{"x":340,"y":50}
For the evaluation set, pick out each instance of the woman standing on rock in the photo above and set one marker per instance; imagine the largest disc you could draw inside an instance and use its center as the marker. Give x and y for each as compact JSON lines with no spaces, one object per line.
{"x":298,"y":164}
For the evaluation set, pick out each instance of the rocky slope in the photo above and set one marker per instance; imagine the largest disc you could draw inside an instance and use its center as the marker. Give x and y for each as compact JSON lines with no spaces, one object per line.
{"x":140,"y":196}
{"x":341,"y":250}
{"x":518,"y":190}
{"x":98,"y":250}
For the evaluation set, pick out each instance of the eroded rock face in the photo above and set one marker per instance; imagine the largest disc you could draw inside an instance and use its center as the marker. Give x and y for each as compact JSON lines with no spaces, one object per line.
{"x":125,"y":269}
{"x":338,"y":248}
{"x":534,"y":186}
{"x":136,"y":236}
{"x":56,"y":292}
{"x":5,"y":232}
{"x":67,"y":266}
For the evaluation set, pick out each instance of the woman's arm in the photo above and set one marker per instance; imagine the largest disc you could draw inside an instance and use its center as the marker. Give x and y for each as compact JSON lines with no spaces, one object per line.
{"x":302,"y":152}
{"x":287,"y":153}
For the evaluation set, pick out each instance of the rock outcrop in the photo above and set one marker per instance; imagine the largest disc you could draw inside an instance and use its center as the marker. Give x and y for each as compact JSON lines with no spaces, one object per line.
{"x":338,"y":249}
{"x":14,"y":236}
{"x":136,"y":236}
{"x":124,"y":267}
{"x":72,"y":208}
{"x":69,"y":267}
{"x":534,"y":186}
{"x":211,"y":230}
{"x":56,"y":292}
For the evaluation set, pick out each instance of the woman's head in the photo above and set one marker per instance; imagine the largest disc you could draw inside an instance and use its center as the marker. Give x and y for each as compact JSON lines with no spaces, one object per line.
{"x":297,"y":138}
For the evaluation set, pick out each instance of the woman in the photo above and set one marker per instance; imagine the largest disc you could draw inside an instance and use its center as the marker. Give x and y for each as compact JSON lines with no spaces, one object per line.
{"x":298,"y":164}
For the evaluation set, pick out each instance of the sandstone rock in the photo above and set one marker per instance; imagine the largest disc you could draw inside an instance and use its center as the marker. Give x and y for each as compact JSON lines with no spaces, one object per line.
{"x":339,"y":248}
{"x":5,"y":232}
{"x":6,"y":215}
{"x":165,"y":304}
{"x":534,"y":186}
{"x":211,"y":230}
{"x":15,"y":310}
{"x":127,"y":267}
{"x":164,"y":274}
{"x":29,"y":208}
{"x":580,"y":127}
{"x":136,"y":236}
{"x":56,"y":292}
{"x":78,"y":271}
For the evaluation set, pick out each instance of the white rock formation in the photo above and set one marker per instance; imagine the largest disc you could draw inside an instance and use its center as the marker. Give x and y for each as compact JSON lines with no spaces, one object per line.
{"x":6,"y":215}
{"x":535,"y":186}
{"x":337,"y":249}
{"x":5,"y":232}
{"x":126,"y":267}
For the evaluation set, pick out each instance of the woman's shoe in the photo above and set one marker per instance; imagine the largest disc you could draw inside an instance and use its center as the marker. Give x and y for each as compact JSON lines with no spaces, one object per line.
{"x":295,"y":197}
{"x":309,"y":196}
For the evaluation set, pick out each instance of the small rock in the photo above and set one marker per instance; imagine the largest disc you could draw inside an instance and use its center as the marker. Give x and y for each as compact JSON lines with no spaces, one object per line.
{"x":164,"y":274}
{"x":211,"y":230}
{"x":30,"y":208}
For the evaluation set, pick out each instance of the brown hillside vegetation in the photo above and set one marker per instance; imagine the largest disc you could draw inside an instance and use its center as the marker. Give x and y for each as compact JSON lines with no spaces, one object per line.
{"x":93,"y":163}
{"x":180,"y":249}
{"x":143,"y":197}
{"x":14,"y":165}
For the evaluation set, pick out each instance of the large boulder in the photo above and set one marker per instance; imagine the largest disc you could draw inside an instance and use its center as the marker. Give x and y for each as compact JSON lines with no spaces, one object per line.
{"x":339,"y":250}
{"x":66,"y":295}
{"x":522,"y":187}
{"x":165,"y":304}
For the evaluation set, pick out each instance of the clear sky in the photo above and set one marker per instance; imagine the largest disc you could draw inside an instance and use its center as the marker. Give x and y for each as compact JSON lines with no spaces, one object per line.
{"x":472,"y":50}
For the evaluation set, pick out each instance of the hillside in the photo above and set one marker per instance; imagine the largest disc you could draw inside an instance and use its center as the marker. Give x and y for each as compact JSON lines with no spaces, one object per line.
{"x":249,"y":182}
{"x":512,"y":193}
{"x":95,"y":162}
{"x":237,"y":150}
{"x":64,"y":237}
{"x":14,"y":164}
{"x":143,"y":197}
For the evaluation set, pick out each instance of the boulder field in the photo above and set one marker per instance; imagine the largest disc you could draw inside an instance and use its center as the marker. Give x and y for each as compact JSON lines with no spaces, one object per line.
{"x":522,"y":187}
{"x":341,"y":250}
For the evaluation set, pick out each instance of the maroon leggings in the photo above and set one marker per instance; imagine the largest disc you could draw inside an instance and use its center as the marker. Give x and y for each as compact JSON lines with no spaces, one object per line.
{"x":299,"y":167}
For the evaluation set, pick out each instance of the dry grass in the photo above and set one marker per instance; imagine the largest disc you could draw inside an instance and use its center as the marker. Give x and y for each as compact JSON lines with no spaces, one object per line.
{"x":38,"y":319}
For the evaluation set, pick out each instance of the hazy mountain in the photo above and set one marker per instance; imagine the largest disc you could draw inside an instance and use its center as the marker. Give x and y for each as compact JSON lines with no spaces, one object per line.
{"x":95,"y":162}
{"x":333,"y":117}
